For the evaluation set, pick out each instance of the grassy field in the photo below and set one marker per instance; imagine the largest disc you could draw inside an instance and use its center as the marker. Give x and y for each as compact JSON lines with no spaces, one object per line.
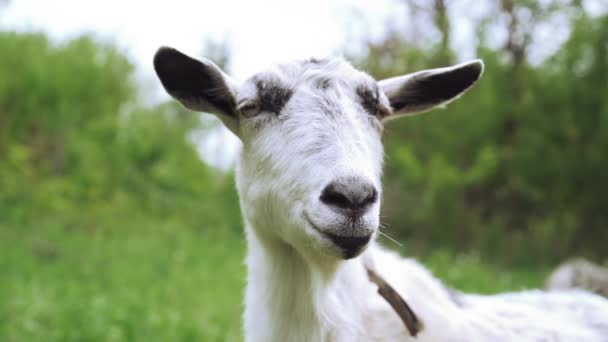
{"x":147,"y":280}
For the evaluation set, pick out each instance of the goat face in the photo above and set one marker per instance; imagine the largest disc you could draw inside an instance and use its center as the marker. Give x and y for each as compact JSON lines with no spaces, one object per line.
{"x":311,"y":161}
{"x":309,"y":173}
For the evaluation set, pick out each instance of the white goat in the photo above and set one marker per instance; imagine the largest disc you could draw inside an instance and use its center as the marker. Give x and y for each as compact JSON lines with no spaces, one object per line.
{"x":309,"y":184}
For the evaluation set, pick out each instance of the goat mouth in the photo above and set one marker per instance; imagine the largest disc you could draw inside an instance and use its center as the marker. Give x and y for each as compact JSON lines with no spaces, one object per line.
{"x":312,"y":224}
{"x":350,"y":246}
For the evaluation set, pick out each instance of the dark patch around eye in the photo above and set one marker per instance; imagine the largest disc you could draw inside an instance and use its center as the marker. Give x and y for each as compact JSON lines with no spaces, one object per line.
{"x":370,"y":98}
{"x":273,"y":95}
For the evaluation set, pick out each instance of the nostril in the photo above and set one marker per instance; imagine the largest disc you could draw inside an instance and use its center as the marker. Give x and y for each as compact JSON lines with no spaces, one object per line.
{"x":349,"y":194}
{"x":331,"y":196}
{"x":372,"y":196}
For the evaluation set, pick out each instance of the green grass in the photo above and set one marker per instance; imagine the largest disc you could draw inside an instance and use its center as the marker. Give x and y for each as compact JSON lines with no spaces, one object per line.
{"x":146,"y":281}
{"x":150,"y":280}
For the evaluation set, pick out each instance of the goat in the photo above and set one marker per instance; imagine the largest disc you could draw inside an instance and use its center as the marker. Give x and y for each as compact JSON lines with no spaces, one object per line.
{"x":308,"y":178}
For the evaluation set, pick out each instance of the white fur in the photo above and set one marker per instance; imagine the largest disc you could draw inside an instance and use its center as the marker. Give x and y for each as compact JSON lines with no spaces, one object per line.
{"x":295,"y":292}
{"x":299,"y":287}
{"x":290,"y":300}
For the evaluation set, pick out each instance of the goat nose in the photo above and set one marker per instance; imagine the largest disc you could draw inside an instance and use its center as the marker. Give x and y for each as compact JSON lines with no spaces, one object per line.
{"x":352,"y":195}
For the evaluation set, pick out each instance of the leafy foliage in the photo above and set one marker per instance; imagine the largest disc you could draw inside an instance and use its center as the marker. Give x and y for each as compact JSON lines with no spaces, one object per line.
{"x":515,"y":168}
{"x":75,"y":141}
{"x":111,"y":228}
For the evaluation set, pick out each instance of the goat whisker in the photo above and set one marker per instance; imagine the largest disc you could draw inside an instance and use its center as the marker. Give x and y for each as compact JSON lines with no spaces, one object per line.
{"x":390,"y":238}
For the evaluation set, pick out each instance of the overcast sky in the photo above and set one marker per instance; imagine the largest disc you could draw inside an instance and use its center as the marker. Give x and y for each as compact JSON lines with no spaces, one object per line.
{"x":260,"y":32}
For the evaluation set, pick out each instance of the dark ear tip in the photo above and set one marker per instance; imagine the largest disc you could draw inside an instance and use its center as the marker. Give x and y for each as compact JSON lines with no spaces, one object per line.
{"x":173,"y":67}
{"x":163,"y":55}
{"x":475,"y":67}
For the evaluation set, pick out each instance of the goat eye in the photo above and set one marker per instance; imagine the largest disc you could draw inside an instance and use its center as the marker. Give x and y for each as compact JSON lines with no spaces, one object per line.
{"x":249,"y":109}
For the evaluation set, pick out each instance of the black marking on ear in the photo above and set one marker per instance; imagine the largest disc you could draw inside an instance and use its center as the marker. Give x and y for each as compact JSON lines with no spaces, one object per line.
{"x":428,"y":90}
{"x":273,"y":95}
{"x":192,"y":82}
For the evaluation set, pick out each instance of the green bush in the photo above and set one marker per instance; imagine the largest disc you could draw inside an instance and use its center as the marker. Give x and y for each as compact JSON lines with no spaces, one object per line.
{"x":516,"y":168}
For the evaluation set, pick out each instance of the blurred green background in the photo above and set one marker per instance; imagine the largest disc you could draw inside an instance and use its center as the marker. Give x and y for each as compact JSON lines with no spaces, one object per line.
{"x":113,"y":229}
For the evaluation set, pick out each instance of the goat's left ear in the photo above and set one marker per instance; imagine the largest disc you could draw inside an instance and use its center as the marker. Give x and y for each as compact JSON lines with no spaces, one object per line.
{"x":199,"y":85}
{"x":424,"y":90}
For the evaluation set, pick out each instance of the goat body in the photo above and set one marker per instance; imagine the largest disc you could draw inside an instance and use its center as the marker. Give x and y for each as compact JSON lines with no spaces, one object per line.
{"x":309,"y":184}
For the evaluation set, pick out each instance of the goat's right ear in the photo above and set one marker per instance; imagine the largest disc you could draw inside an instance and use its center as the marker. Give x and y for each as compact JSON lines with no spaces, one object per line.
{"x":427,"y":89}
{"x":199,"y":85}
